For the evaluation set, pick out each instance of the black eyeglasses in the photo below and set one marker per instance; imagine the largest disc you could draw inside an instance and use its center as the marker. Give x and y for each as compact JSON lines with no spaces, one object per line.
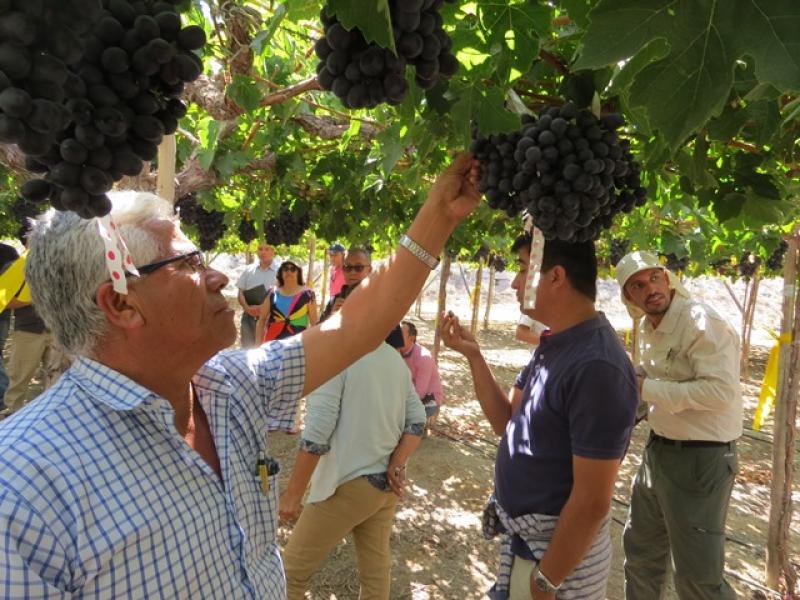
{"x":356,"y":268}
{"x":194,"y":259}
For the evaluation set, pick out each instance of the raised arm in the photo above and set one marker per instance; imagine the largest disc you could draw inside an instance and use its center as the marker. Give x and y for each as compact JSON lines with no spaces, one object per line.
{"x":382,"y":299}
{"x":495,"y":402}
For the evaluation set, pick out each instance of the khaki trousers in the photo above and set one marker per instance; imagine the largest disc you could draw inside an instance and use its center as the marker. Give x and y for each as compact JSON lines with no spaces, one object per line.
{"x":29,"y":351}
{"x":356,"y":506}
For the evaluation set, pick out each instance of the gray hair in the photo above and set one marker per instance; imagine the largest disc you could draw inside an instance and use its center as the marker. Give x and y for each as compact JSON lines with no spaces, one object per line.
{"x":360,"y":250}
{"x":66,"y":264}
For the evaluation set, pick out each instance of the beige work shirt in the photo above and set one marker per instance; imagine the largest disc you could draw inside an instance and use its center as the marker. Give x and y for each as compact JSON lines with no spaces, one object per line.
{"x":692,"y":365}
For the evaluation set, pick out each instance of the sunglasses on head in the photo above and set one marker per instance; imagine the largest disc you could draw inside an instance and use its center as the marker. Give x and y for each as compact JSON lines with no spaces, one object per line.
{"x":356,"y":268}
{"x":290,"y":268}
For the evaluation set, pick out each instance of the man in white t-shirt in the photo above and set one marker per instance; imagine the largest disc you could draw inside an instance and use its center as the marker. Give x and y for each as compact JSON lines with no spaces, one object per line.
{"x":254,"y":284}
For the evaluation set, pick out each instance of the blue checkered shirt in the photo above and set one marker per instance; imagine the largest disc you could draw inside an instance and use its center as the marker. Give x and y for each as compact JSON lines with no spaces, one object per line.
{"x":100,"y":497}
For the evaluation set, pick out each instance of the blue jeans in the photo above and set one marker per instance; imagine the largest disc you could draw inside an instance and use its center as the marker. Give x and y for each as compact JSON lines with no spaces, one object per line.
{"x":5,"y":324}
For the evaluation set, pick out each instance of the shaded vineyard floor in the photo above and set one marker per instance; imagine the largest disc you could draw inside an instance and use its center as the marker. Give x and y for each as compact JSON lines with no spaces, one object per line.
{"x":437,"y":547}
{"x":438,"y":551}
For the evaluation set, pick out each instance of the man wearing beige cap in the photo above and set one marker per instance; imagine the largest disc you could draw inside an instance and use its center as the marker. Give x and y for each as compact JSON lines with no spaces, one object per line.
{"x":688,"y":376}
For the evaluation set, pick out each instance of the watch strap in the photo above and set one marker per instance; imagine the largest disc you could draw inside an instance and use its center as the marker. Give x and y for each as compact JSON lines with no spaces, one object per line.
{"x":418,"y":251}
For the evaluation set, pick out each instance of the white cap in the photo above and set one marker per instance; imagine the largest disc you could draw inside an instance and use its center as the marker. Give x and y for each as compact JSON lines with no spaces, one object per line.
{"x":638,"y":261}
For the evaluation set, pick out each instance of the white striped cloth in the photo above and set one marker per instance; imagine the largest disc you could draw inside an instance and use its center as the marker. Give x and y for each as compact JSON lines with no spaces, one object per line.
{"x":586,"y":582}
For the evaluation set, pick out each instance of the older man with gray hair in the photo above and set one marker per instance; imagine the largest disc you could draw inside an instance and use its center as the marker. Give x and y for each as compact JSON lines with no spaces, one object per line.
{"x":688,"y":377}
{"x":143,"y":472}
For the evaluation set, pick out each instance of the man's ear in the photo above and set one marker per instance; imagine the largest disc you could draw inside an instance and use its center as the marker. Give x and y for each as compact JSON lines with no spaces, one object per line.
{"x":119,"y":309}
{"x":558,"y":276}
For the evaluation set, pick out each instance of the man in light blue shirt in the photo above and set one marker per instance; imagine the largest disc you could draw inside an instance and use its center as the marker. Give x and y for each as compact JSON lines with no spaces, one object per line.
{"x":142,"y":473}
{"x":354,"y":487}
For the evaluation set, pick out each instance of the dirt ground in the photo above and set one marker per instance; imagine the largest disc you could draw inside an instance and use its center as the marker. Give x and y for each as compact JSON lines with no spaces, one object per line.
{"x":437,"y":547}
{"x":438,"y":551}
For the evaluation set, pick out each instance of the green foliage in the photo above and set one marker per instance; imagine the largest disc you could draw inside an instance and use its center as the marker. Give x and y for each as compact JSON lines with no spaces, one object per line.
{"x":708,"y":87}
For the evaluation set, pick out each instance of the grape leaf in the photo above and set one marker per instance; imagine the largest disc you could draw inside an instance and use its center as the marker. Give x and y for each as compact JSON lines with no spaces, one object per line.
{"x":374,"y":21}
{"x":302,"y":9}
{"x":681,"y":91}
{"x":262,"y":38}
{"x":528,"y":21}
{"x":245,"y":92}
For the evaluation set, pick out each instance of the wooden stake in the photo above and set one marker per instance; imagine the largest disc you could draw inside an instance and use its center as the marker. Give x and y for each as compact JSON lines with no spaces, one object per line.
{"x":783,"y":445}
{"x":747,"y":323}
{"x":444,"y":277}
{"x":325,"y":271}
{"x":165,"y":181}
{"x":489,"y":296}
{"x":312,"y":251}
{"x":476,"y":297}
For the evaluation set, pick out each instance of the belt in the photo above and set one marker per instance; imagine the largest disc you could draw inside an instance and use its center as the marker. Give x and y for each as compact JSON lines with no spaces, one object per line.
{"x":687,"y":443}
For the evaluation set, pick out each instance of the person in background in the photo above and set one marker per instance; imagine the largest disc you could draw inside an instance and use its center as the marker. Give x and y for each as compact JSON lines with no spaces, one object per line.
{"x":424,"y":372}
{"x":336,"y":254}
{"x":354,"y":486}
{"x":254,"y":284}
{"x":289,"y":308}
{"x":144,"y":473}
{"x":8,"y":254}
{"x":357,"y":266}
{"x":688,"y":378}
{"x":528,"y":330}
{"x":564,"y":434}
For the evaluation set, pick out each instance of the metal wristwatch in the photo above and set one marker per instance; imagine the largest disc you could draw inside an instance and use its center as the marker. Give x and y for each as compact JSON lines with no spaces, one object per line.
{"x":543,"y":584}
{"x":420,"y":252}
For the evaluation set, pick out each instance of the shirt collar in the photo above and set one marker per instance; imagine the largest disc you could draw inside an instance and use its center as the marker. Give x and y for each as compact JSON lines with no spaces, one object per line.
{"x":414,"y":349}
{"x":112,"y":388}
{"x":120,"y":392}
{"x":571,"y":335}
{"x":670,"y":319}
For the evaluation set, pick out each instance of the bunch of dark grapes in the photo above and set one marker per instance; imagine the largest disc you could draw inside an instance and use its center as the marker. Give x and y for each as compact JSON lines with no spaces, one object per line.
{"x":775,"y":260}
{"x":88,"y":88}
{"x":673,"y":263}
{"x":186,"y":208}
{"x":723,"y":267}
{"x":364,"y":75}
{"x":748,"y":264}
{"x":619,"y":247}
{"x":573,"y":173}
{"x":481,"y":254}
{"x":210,"y":225}
{"x":498,"y":168}
{"x":287,"y":228}
{"x":23,"y":210}
{"x":247,"y":230}
{"x":498,"y":262}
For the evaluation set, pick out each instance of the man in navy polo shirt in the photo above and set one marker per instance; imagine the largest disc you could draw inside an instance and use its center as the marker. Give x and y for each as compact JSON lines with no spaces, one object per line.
{"x":563,"y":436}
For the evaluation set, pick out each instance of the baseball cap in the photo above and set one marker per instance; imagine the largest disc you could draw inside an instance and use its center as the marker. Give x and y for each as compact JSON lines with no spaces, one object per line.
{"x":636,"y":262}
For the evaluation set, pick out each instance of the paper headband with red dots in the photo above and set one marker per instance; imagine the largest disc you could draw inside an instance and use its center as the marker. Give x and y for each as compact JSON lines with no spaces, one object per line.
{"x":118,"y":259}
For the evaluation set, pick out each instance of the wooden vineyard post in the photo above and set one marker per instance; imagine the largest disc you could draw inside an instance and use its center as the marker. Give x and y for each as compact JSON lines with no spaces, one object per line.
{"x":418,"y":305}
{"x":751,"y":297}
{"x":325,"y":270}
{"x":312,"y":251}
{"x":489,"y":294}
{"x":476,"y":297}
{"x":783,"y":444}
{"x":444,"y":276}
{"x":165,"y":180}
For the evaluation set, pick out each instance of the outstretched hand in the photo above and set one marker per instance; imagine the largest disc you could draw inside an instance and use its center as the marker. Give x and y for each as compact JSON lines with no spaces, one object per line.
{"x":456,"y":337}
{"x":456,"y":188}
